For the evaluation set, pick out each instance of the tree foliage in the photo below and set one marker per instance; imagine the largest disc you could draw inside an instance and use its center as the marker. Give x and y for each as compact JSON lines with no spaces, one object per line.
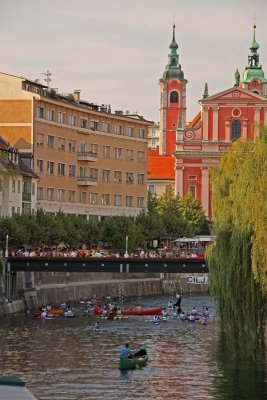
{"x":238,"y":260}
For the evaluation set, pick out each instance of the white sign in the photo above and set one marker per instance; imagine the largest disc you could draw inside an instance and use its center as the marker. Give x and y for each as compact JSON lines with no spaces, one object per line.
{"x":198,"y":280}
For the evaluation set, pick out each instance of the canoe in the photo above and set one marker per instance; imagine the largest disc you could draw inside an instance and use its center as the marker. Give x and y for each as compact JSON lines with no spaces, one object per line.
{"x":138,"y":360}
{"x":151,"y":311}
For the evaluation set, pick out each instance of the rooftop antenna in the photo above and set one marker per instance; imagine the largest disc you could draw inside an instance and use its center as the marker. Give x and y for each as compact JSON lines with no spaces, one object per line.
{"x":47,"y":79}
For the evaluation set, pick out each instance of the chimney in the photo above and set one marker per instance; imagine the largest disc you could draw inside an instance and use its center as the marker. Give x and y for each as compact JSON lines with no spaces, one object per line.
{"x":76,"y":95}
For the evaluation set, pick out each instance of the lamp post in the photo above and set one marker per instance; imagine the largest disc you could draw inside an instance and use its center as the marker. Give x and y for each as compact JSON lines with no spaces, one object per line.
{"x":126,"y":255}
{"x":6,"y":253}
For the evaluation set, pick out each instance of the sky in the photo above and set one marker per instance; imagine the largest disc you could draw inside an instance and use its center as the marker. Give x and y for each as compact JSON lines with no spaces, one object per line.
{"x":115,"y":52}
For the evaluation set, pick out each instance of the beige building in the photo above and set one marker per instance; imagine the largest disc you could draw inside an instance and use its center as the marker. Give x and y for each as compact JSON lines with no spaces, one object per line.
{"x":90,"y":161}
{"x":18,"y":184}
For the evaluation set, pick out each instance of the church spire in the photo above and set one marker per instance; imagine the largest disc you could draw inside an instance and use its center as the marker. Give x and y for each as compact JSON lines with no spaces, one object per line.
{"x":206,"y":91}
{"x":253,"y":68}
{"x":173,"y":68}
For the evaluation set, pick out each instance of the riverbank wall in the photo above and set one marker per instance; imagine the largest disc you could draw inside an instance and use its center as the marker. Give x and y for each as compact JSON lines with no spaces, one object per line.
{"x":57,"y":288}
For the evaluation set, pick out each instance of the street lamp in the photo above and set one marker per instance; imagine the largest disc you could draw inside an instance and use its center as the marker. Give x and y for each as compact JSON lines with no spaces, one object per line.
{"x":6,"y":254}
{"x":126,"y":255}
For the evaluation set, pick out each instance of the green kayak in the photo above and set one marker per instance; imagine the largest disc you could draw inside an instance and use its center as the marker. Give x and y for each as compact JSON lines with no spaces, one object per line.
{"x":137,"y":360}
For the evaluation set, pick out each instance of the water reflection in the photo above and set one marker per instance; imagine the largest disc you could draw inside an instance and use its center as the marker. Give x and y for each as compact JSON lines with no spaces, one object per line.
{"x":66,"y":359}
{"x":238,"y":378}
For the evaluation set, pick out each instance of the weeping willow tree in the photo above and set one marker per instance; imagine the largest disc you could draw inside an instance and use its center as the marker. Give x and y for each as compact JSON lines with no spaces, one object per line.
{"x":238,"y":260}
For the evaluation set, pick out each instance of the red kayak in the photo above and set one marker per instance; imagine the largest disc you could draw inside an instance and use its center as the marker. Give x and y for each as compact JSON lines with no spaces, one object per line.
{"x":151,"y":311}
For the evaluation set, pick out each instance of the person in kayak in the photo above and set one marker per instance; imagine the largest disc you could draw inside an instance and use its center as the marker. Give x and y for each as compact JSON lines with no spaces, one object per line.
{"x":125,"y":352}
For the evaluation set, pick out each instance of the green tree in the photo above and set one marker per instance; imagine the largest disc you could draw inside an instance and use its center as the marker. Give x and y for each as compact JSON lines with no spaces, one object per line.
{"x":193,"y":213}
{"x":238,"y":260}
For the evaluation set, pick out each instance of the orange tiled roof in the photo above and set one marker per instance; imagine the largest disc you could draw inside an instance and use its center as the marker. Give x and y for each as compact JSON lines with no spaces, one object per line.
{"x":195,"y":121}
{"x":160,"y":167}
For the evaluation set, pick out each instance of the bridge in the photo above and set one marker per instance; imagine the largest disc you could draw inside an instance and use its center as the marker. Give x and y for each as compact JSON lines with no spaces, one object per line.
{"x":121,"y":265}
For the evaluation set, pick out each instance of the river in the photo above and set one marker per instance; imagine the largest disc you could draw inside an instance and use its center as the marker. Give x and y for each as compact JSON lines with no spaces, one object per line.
{"x":66,"y":359}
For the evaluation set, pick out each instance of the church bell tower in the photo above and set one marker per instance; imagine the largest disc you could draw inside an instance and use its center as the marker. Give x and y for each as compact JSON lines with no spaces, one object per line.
{"x":172,"y":100}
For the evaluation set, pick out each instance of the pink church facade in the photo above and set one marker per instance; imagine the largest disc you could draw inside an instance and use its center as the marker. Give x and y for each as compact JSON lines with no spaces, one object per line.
{"x":232,"y":114}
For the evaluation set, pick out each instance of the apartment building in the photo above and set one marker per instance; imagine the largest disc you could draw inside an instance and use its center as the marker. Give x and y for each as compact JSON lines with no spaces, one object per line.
{"x":18,"y":183}
{"x":90,"y":161}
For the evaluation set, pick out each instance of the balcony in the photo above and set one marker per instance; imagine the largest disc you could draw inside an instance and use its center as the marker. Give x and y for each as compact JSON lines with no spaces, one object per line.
{"x":87,"y":156}
{"x":86,"y":181}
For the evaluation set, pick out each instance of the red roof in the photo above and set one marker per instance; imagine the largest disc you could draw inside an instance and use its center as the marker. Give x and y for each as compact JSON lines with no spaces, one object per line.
{"x":160,"y":167}
{"x":195,"y":122}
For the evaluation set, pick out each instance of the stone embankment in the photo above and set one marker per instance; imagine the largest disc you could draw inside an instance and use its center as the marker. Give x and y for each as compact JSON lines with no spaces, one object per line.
{"x":56,"y":288}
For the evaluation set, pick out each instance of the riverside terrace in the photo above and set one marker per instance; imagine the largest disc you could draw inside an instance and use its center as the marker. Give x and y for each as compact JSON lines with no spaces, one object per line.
{"x":107,"y":264}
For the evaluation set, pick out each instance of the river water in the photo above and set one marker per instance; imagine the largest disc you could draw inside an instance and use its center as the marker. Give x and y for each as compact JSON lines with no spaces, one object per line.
{"x":66,"y":359}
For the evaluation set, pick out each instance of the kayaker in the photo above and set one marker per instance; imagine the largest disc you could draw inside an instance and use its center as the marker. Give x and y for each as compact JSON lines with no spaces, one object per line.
{"x":119,"y":312}
{"x":125,"y":351}
{"x":194,"y":311}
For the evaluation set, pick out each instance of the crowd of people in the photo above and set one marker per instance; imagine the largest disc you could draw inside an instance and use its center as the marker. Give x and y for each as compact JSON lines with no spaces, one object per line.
{"x":97,"y":253}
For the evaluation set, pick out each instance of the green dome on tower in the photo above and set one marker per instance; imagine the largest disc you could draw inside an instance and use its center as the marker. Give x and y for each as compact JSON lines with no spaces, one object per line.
{"x":253,"y":68}
{"x":173,"y":68}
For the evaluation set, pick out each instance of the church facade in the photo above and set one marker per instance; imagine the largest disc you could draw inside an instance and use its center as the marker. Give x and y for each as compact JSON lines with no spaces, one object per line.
{"x":235,"y":113}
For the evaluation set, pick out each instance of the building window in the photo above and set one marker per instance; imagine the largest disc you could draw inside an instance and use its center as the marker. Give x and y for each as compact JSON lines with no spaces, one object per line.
{"x":117,"y":176}
{"x":141,"y":179}
{"x":106,"y":127}
{"x":40,"y":139}
{"x":72,"y":146}
{"x":140,"y":202}
{"x":40,"y":193}
{"x":83,"y":197}
{"x":72,"y":171}
{"x":141,"y":156}
{"x":82,"y":172}
{"x":192,"y":189}
{"x":50,"y":114}
{"x":61,"y":117}
{"x":61,"y":143}
{"x":129,"y":201}
{"x":118,"y":153}
{"x":61,"y":169}
{"x":106,"y":175}
{"x":105,"y":199}
{"x":130,"y":131}
{"x":94,"y":148}
{"x":72,"y":120}
{"x":118,"y":129}
{"x":26,"y":208}
{"x":72,"y":196}
{"x":50,"y":167}
{"x":106,"y":151}
{"x":40,"y":112}
{"x":174,"y":97}
{"x":33,"y":189}
{"x":129,"y":178}
{"x":40,"y":166}
{"x":13,"y":186}
{"x":18,"y":186}
{"x":84,"y":123}
{"x":151,"y":189}
{"x":93,"y":198}
{"x":50,"y":194}
{"x":130,"y":154}
{"x":117,"y":200}
{"x":61,"y":195}
{"x":50,"y":141}
{"x":83,"y":148}
{"x":18,"y":210}
{"x":142,"y":134}
{"x":13,"y":211}
{"x":236,"y":130}
{"x":94,"y":173}
{"x":94,"y":126}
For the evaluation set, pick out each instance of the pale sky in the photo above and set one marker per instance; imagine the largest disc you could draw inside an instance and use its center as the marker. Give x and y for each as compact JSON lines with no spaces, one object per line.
{"x":116,"y":51}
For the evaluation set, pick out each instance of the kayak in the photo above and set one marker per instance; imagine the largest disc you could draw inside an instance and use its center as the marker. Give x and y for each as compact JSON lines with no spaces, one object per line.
{"x":138,"y":359}
{"x":151,"y":311}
